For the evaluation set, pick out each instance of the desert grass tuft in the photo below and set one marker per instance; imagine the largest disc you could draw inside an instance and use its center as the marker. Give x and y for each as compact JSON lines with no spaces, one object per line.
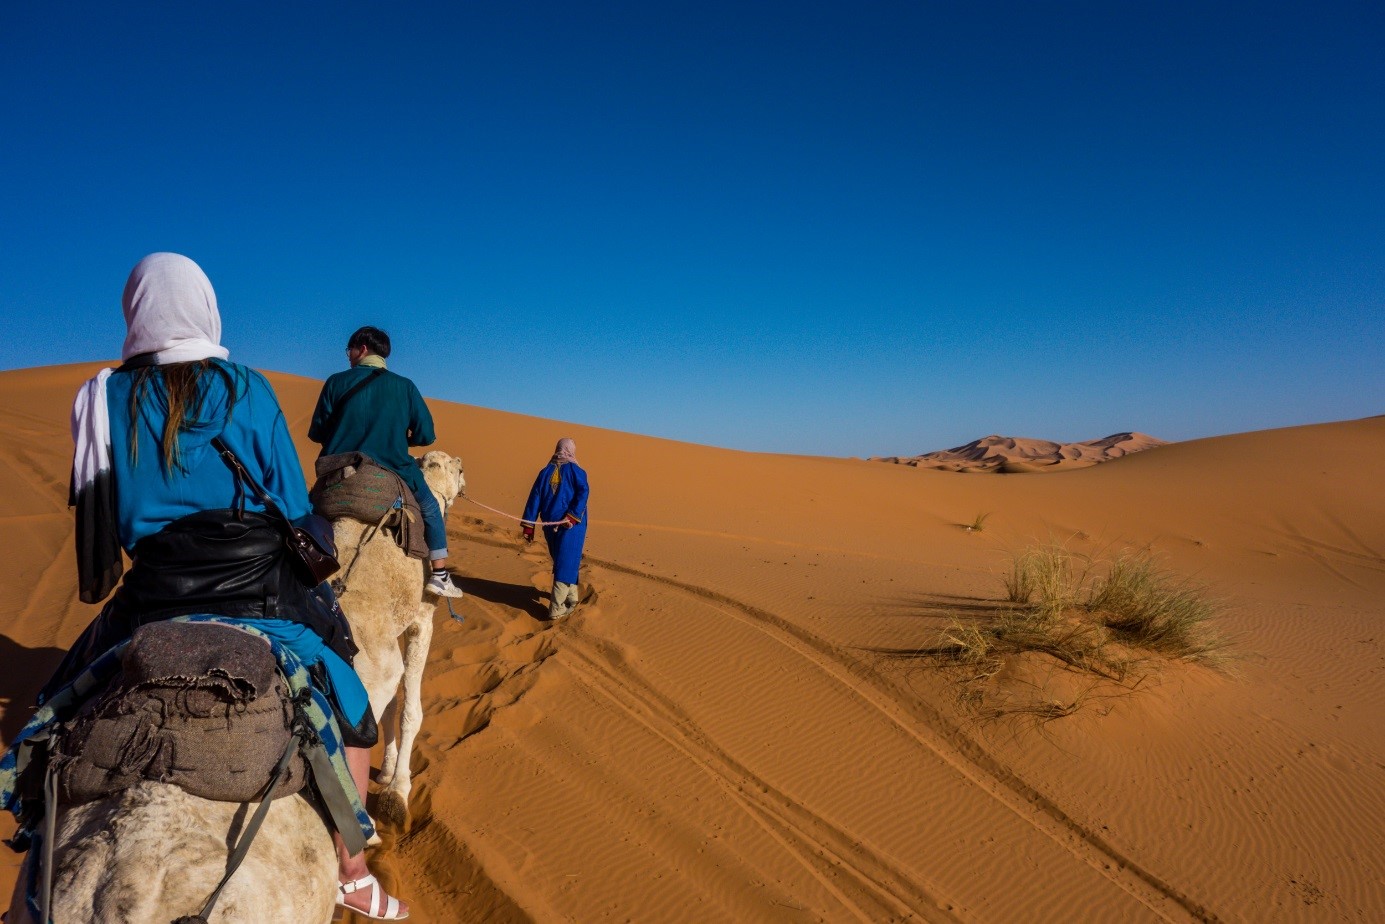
{"x":1113,"y":619}
{"x":978,"y":523}
{"x":972,"y":646}
{"x":1019,"y":583}
{"x":1043,"y":579}
{"x":1152,"y":609}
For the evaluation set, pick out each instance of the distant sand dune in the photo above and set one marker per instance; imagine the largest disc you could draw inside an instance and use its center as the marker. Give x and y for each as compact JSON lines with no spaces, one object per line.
{"x":712,"y":737}
{"x":1009,"y":455}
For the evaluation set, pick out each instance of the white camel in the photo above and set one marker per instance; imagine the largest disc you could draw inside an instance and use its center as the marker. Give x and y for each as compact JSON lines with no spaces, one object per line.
{"x":154,"y":853}
{"x":384,"y":602}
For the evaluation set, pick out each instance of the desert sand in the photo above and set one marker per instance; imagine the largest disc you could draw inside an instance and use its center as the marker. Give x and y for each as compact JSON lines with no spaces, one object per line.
{"x":713,"y":737}
{"x":1011,"y":455}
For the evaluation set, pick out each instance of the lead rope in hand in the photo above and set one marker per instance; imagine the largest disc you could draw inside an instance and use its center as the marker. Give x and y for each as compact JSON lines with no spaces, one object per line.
{"x":511,"y":516}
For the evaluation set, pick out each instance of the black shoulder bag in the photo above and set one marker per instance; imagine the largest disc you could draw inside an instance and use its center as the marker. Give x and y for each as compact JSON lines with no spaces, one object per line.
{"x":312,"y":549}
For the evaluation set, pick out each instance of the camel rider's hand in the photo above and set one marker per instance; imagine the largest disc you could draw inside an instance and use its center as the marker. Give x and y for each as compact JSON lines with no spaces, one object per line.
{"x":570,"y":521}
{"x":528,"y":530}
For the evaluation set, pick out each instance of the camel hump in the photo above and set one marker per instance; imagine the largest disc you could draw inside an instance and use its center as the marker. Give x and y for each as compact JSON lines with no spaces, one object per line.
{"x":200,"y":706}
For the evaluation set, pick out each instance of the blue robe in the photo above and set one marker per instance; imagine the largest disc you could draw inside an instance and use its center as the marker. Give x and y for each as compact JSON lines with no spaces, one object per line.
{"x":559,"y":490}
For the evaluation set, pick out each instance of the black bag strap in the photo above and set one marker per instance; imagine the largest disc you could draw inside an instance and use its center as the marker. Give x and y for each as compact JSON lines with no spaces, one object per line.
{"x":238,"y":470}
{"x":332,"y":418}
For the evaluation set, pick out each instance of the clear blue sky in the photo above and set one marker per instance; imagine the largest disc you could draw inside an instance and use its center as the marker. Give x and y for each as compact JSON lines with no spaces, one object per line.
{"x":833,"y":228}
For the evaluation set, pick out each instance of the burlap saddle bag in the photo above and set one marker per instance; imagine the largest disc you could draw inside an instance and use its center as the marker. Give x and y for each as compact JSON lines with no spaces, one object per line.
{"x":202,"y":707}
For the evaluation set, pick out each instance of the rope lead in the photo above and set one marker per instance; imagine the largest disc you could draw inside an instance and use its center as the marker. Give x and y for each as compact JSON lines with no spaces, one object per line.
{"x":511,"y":516}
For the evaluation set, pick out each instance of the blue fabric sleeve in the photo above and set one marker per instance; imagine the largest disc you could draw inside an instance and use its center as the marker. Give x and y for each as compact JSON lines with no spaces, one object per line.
{"x":283,"y":473}
{"x":420,"y":420}
{"x":531,"y":507}
{"x":578,"y":507}
{"x":321,"y":412}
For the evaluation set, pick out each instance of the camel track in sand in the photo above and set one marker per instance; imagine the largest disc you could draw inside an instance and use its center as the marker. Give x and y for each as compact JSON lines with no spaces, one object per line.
{"x":874,"y":890}
{"x":868,"y":884}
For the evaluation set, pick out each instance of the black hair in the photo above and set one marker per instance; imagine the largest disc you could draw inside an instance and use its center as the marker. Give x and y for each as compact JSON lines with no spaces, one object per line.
{"x":373,"y":337}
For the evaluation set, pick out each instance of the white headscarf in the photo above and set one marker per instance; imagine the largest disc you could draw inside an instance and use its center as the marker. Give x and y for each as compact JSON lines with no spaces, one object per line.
{"x":170,"y":310}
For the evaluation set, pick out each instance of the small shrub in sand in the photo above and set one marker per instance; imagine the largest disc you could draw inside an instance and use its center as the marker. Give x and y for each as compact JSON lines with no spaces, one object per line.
{"x":1099,"y":618}
{"x":1041,"y":578}
{"x":1150,"y":608}
{"x":977,"y":524}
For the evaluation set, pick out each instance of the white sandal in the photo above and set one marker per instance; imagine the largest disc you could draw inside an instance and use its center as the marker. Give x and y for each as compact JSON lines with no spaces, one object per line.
{"x":382,"y":907}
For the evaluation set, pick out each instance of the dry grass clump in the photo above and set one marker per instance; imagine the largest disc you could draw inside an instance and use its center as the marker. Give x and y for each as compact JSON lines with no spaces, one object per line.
{"x":1130,"y":597}
{"x":1112,"y":619}
{"x":1151,"y":608}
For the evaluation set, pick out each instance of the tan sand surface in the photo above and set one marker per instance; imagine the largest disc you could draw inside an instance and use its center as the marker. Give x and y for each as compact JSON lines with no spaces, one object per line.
{"x":712,"y":737}
{"x":1013,"y":455}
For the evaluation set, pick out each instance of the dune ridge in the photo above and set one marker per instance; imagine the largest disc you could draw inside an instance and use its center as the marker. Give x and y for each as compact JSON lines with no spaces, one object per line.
{"x":711,"y":737}
{"x":1015,"y":455}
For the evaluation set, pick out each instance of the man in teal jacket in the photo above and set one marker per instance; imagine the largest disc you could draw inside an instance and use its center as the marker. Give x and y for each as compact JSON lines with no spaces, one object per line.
{"x":371,"y":410}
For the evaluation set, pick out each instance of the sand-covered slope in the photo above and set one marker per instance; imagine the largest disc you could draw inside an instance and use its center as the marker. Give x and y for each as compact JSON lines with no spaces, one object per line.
{"x":711,"y":738}
{"x":1010,"y":455}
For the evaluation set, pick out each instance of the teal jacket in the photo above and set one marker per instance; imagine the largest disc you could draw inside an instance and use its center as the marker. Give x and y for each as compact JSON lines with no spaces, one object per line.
{"x":382,"y":420}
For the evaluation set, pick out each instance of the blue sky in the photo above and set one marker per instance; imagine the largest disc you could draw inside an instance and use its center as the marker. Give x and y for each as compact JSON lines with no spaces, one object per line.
{"x":828,"y":228}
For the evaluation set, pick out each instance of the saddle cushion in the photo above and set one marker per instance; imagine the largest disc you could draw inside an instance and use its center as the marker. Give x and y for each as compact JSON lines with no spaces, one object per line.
{"x":352,"y":485}
{"x":200,"y":706}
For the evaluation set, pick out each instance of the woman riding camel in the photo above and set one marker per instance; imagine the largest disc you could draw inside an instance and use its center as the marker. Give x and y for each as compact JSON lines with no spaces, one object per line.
{"x":148,"y":479}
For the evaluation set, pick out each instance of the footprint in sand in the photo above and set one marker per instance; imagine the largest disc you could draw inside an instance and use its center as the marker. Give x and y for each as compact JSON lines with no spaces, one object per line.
{"x":490,"y":669}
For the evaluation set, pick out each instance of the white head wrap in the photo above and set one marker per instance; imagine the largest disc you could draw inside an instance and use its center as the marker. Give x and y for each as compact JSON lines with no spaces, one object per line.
{"x":170,"y":310}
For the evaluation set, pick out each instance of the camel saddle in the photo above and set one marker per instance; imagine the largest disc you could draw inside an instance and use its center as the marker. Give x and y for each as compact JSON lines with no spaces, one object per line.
{"x":200,"y":706}
{"x":352,"y":484}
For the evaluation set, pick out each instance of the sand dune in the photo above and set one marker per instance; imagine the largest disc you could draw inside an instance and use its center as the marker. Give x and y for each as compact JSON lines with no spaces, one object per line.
{"x":711,"y":737}
{"x":1010,"y":455}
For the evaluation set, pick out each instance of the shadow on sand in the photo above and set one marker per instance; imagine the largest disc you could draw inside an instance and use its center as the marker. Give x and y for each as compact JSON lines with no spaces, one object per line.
{"x":935,"y":612}
{"x":521,"y":597}
{"x":26,"y":669}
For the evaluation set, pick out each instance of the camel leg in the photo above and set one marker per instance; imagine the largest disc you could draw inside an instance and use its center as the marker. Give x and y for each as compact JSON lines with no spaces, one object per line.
{"x":417,"y":639}
{"x":380,"y":669}
{"x":389,"y":737}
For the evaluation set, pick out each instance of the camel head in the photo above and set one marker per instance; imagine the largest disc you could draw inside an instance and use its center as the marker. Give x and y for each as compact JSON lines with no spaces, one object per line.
{"x":444,"y":476}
